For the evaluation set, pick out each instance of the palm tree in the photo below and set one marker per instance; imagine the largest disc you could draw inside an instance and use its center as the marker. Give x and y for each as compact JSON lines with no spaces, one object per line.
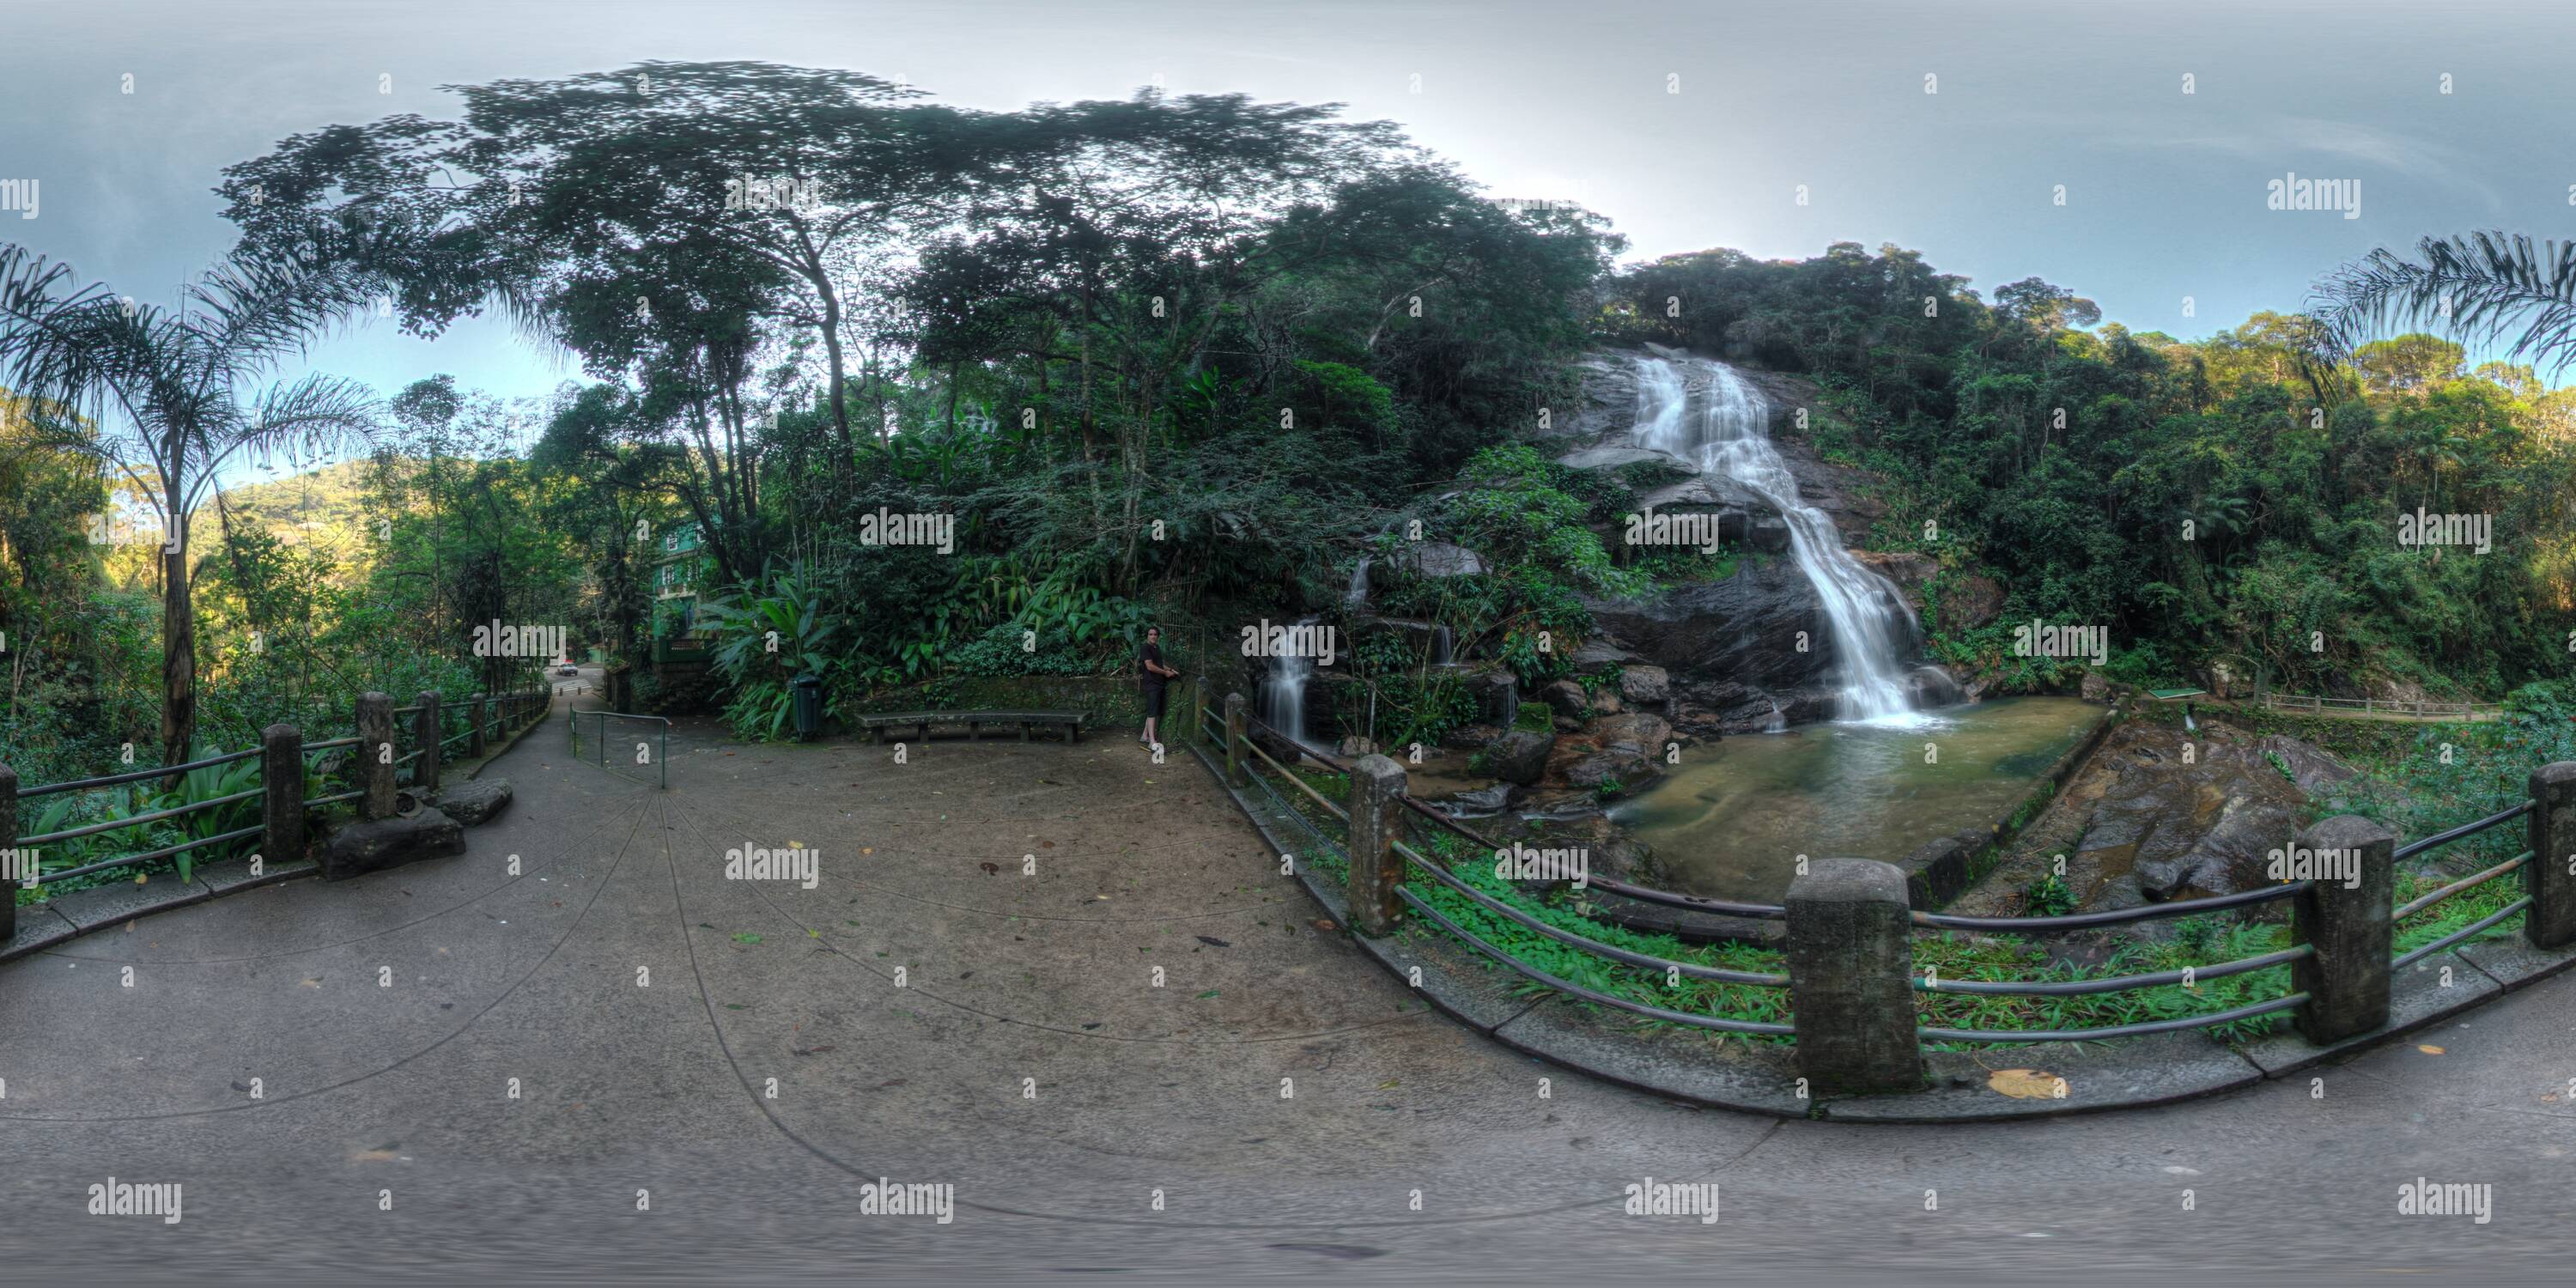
{"x":165,"y":396}
{"x":2482,"y":286}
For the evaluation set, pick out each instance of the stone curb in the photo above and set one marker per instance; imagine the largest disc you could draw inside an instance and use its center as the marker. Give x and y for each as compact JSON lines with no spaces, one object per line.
{"x":1729,"y":1072}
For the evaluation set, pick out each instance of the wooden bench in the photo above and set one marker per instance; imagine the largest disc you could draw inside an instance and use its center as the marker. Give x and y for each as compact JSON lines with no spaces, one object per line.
{"x":1069,"y":721}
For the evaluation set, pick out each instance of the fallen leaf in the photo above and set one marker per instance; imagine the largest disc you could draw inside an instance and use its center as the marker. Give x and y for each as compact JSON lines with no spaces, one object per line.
{"x":1214,"y":942}
{"x":1046,"y":845}
{"x":372,"y":1156}
{"x":2429,"y":1050}
{"x":2027,"y":1084}
{"x":745,"y":937}
{"x":1323,"y":924}
{"x":1210,"y":993}
{"x":315,"y":982}
{"x":989,"y":868}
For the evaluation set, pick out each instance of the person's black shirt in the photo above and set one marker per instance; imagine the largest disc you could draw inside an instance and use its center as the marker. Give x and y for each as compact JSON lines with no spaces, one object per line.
{"x":1153,"y":657}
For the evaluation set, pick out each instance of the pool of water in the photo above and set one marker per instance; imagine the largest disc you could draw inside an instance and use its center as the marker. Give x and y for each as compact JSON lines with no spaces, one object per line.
{"x":1732,"y":818}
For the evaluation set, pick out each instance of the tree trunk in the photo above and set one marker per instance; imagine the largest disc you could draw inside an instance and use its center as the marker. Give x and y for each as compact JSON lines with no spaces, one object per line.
{"x":178,"y":655}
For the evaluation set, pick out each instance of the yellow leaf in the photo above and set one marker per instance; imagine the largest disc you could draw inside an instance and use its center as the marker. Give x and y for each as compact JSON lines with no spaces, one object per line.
{"x":2429,"y":1050}
{"x":2027,"y":1084}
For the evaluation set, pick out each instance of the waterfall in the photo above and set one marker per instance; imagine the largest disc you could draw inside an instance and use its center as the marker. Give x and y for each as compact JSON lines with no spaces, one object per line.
{"x":1731,"y":436}
{"x":1359,"y":591}
{"x":1440,"y":645}
{"x":1283,"y":696}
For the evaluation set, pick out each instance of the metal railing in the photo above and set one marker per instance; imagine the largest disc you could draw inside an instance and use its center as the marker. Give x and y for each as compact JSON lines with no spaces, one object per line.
{"x":2421,"y":710}
{"x":660,"y":754}
{"x":2334,"y":995}
{"x":314,"y":764}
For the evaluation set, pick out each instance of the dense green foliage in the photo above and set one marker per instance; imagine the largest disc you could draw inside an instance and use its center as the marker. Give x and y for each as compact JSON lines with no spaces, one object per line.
{"x":2237,"y":496}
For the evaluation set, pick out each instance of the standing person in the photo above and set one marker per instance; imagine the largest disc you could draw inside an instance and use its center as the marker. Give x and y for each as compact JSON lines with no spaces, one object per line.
{"x":1153,"y":675}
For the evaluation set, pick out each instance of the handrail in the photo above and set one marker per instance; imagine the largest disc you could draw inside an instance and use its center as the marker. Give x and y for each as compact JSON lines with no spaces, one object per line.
{"x":2426,"y":901}
{"x":2112,"y":917}
{"x":1563,"y":936}
{"x":2506,"y":913}
{"x":2413,"y":848}
{"x":1595,"y":997}
{"x":2018,"y":1036}
{"x":136,"y":776}
{"x":1293,"y":781}
{"x":136,"y":820}
{"x":2115,"y":983}
{"x":162,"y":853}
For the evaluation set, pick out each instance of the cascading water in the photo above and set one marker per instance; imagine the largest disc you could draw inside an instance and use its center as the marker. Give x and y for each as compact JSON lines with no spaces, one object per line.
{"x":1730,"y":436}
{"x":1283,"y":694}
{"x":1358,"y":593}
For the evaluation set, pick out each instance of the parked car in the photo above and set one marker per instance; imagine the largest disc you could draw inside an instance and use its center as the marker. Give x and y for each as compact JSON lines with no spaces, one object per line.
{"x":567,"y":669}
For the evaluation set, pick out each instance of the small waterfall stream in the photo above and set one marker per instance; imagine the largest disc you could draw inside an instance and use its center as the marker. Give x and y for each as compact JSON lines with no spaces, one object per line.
{"x":1725,"y":430}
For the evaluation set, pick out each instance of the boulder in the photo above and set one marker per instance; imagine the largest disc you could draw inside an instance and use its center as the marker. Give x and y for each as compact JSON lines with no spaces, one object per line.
{"x":1484,"y":802}
{"x":474,"y":801}
{"x":1566,"y":698}
{"x":1520,"y":756}
{"x":1605,"y":701}
{"x":2095,"y":688}
{"x":1611,"y":458}
{"x":2188,"y":831}
{"x":1354,"y":746}
{"x":1635,"y":731}
{"x":1498,"y":696}
{"x":1768,"y":534}
{"x":389,"y":843}
{"x":1441,"y":559}
{"x":1645,"y":685}
{"x":1471,"y":737}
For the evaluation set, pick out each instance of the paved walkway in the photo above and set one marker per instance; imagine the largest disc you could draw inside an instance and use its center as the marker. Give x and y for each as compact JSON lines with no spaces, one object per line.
{"x":385,"y":1020}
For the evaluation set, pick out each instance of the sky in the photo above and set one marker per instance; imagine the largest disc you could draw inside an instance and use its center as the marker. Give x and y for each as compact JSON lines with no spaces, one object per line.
{"x":2057,"y":139}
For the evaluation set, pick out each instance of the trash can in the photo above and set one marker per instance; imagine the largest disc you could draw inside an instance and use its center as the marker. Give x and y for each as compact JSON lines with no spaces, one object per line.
{"x":808,"y":691}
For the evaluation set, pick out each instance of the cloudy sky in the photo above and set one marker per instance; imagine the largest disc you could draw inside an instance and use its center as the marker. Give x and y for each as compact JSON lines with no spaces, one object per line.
{"x":1690,"y":124}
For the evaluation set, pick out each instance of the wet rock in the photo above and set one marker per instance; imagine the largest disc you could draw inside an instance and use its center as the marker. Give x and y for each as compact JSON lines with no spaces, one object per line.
{"x":1471,"y":737}
{"x":1635,"y":731}
{"x":2311,"y":767}
{"x":1744,"y":629}
{"x":1353,"y":746}
{"x":1441,"y":559}
{"x":1520,"y":756}
{"x":390,"y":843}
{"x":1643,"y":684}
{"x":1566,"y":698}
{"x":1769,"y":535}
{"x":1605,"y":701}
{"x":1611,"y":458}
{"x":2095,"y":688}
{"x":475,"y":801}
{"x":1498,"y":696}
{"x":2188,"y":831}
{"x":1484,"y":802}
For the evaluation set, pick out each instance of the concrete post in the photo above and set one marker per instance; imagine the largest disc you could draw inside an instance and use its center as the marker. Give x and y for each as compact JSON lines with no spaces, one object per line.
{"x":425,"y":733}
{"x":1851,"y":962}
{"x":2346,"y":978}
{"x":9,"y":842}
{"x":281,"y":774}
{"x":2550,"y":877}
{"x":376,"y":755}
{"x":1377,"y":819}
{"x":481,"y":710}
{"x":1236,"y":712}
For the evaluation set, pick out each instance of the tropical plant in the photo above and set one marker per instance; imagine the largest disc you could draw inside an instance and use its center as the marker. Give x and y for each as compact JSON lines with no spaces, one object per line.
{"x":764,"y":641}
{"x":160,"y":395}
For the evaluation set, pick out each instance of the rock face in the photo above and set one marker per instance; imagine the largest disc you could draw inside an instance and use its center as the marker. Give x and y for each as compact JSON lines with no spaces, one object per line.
{"x":1520,"y":756}
{"x":2311,"y":767}
{"x":1623,"y":749}
{"x":476,"y":801}
{"x":2166,"y":830}
{"x":1743,"y":630}
{"x":1645,"y":685}
{"x":389,"y":843}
